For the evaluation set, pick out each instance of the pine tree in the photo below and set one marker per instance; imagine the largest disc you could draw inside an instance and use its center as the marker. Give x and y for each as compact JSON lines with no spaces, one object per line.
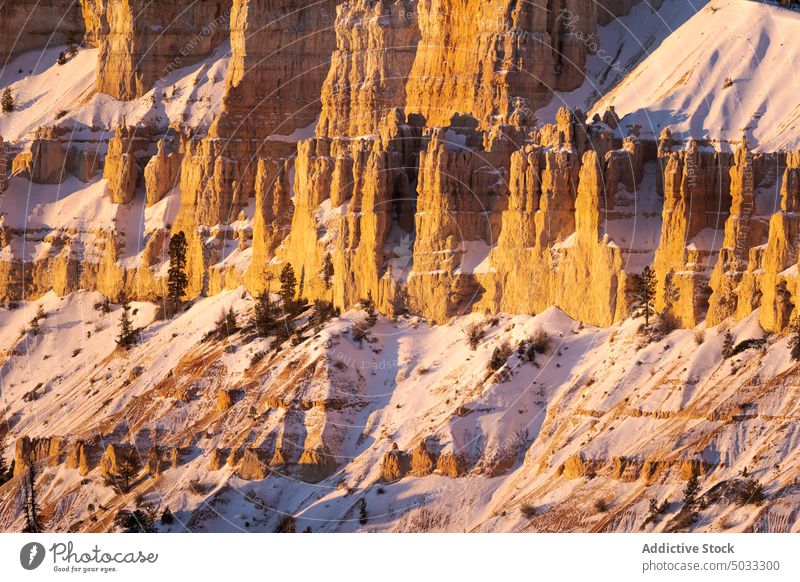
{"x":62,"y":58}
{"x":691,"y":490}
{"x":34,"y":323}
{"x":263,"y":318}
{"x":7,"y":101}
{"x":121,"y":479}
{"x":226,"y":323}
{"x":166,"y":517}
{"x":136,"y":521}
{"x":72,"y":44}
{"x":645,"y":295}
{"x":32,"y":519}
{"x":177,"y":281}
{"x":727,"y":345}
{"x":288,"y":287}
{"x":5,"y":473}
{"x":301,"y":286}
{"x":794,"y":341}
{"x":327,"y":271}
{"x":128,"y":335}
{"x":363,"y":518}
{"x":369,"y":306}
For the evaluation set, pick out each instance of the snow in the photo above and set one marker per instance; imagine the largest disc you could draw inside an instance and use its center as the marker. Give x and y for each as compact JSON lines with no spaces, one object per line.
{"x":682,"y":84}
{"x":623,"y":44}
{"x":65,"y":95}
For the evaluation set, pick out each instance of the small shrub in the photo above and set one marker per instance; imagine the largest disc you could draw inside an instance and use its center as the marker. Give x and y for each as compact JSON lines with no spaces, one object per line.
{"x":287,"y":524}
{"x":136,"y":521}
{"x":499,"y":357}
{"x":727,"y":345}
{"x":257,"y":357}
{"x":752,"y":493}
{"x":601,"y":505}
{"x":749,"y":344}
{"x":528,"y":511}
{"x":359,"y":333}
{"x":699,"y":336}
{"x":475,"y":333}
{"x":199,"y":488}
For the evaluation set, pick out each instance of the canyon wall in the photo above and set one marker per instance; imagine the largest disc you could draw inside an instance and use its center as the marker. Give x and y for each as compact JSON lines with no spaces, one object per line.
{"x":399,"y":139}
{"x":27,"y":25}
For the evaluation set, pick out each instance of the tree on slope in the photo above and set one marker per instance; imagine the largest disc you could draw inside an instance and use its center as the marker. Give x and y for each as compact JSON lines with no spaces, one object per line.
{"x":7,"y":101}
{"x":288,"y":287}
{"x":128,"y":335}
{"x":33,"y":523}
{"x":645,"y":295}
{"x":177,"y":281}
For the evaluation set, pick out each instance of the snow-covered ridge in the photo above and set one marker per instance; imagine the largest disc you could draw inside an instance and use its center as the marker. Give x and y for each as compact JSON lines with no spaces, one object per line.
{"x":732,"y":68}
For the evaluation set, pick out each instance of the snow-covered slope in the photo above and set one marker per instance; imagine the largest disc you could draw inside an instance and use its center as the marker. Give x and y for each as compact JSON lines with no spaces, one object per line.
{"x":46,"y":93}
{"x":732,"y":67}
{"x":621,"y":46}
{"x":606,"y":414}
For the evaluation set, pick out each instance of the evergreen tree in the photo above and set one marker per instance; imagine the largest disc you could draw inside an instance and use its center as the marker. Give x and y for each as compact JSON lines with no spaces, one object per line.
{"x":5,"y":472}
{"x":301,"y":286}
{"x":727,"y":345}
{"x":362,"y":512}
{"x":226,"y":323}
{"x":166,"y":517}
{"x":177,"y":281}
{"x":369,"y":306}
{"x":691,"y":490}
{"x":288,"y":287}
{"x":62,"y":58}
{"x":7,"y":101}
{"x":136,"y":521}
{"x":72,"y":44}
{"x":35,"y":327}
{"x":32,"y":519}
{"x":327,"y":271}
{"x":122,"y":478}
{"x":128,"y":335}
{"x":794,"y":341}
{"x":263,"y":318}
{"x":645,"y":294}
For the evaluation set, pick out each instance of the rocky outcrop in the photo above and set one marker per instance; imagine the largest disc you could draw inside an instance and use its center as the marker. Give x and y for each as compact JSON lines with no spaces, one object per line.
{"x":122,"y":170}
{"x":117,"y":456}
{"x":744,"y":230}
{"x":45,"y":160}
{"x":395,"y":465}
{"x":28,"y":25}
{"x":141,"y":42}
{"x":161,"y":172}
{"x":696,"y":186}
{"x":774,"y":277}
{"x":35,"y":450}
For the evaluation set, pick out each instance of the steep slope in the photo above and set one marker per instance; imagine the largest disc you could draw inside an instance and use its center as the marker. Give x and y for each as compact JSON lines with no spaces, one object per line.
{"x":730,"y":68}
{"x":411,"y":423}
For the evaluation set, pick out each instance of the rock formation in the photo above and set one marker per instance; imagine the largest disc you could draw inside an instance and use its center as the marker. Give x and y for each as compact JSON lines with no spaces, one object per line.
{"x":142,"y":42}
